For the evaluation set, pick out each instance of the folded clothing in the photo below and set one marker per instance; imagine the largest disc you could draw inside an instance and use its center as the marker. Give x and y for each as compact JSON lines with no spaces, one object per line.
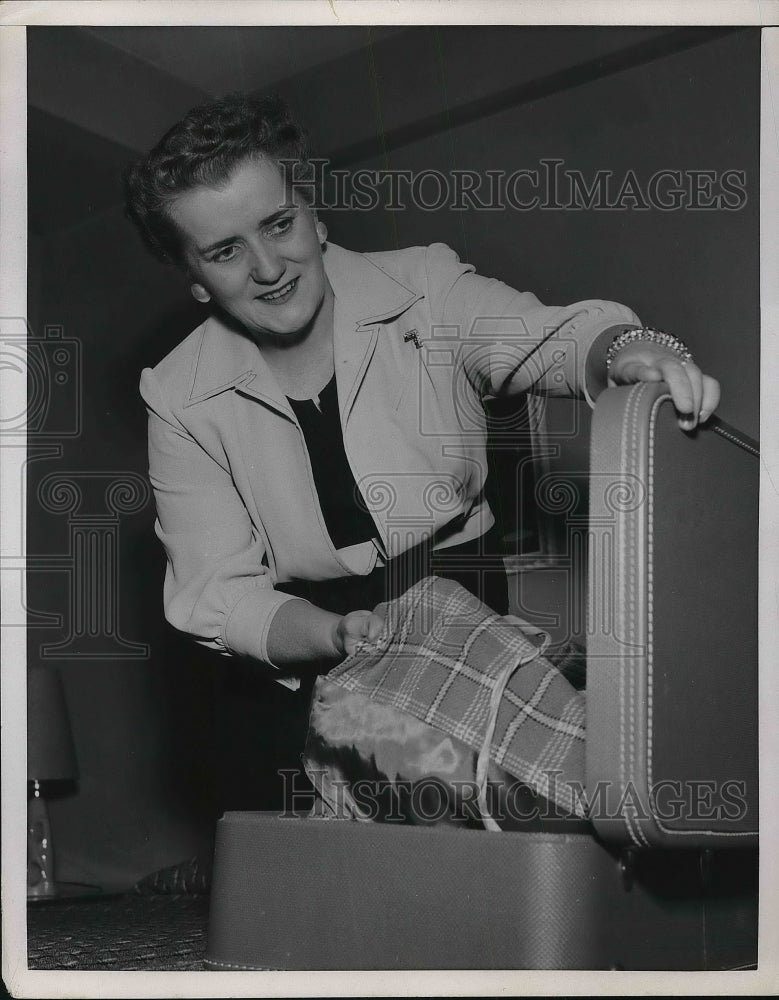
{"x":190,"y":877}
{"x":453,"y":715}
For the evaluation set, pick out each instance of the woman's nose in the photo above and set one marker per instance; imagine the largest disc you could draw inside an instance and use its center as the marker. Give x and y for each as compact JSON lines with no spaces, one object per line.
{"x":266,"y":266}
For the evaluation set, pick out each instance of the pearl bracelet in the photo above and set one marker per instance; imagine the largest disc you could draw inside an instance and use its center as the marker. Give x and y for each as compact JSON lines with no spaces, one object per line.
{"x":651,"y":335}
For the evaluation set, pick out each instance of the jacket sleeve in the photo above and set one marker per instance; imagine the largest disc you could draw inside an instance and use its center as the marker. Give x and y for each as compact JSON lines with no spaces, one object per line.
{"x":217,"y":585}
{"x":510,"y":342}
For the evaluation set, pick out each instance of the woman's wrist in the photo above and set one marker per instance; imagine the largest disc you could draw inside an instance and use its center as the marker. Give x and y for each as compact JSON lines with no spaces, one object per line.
{"x":338,"y":637}
{"x":302,"y":632}
{"x":666,"y":342}
{"x":596,"y":372}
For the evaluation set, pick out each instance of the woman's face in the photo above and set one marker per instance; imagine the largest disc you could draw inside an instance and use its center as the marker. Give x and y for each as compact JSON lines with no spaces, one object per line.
{"x":254,"y":250}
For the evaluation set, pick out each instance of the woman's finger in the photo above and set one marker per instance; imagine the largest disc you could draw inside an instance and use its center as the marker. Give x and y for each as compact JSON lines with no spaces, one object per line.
{"x":711,"y":397}
{"x":685,"y":382}
{"x":375,"y":627}
{"x":695,"y":395}
{"x":678,"y":383}
{"x":695,"y":376}
{"x":634,"y":371}
{"x":670,"y":371}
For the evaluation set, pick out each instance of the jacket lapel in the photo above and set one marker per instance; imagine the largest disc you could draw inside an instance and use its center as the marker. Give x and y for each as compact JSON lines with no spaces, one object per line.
{"x":229,"y":359}
{"x":365,"y":296}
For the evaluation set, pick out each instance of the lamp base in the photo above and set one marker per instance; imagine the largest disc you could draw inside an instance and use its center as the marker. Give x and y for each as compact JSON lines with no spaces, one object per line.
{"x":42,"y":890}
{"x":66,"y":891}
{"x":40,"y":851}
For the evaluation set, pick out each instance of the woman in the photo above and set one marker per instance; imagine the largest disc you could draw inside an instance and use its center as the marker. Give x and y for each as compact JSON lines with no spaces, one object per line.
{"x":321,"y":435}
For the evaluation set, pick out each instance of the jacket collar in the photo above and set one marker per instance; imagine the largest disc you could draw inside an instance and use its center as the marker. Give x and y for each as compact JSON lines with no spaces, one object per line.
{"x":363,"y":290}
{"x":364,"y":295}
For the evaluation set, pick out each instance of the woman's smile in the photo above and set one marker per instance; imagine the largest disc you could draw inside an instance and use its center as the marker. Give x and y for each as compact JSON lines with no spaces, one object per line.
{"x":280,"y":295}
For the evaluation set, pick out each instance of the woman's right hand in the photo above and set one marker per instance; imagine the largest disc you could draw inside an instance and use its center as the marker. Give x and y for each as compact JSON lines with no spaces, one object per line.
{"x":355,"y":628}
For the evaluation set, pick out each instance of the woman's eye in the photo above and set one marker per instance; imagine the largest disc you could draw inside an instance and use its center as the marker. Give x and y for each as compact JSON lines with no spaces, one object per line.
{"x":225,"y":254}
{"x":281,"y":226}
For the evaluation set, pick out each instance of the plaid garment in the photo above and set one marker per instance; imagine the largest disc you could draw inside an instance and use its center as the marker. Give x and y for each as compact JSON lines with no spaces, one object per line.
{"x":442,"y":656}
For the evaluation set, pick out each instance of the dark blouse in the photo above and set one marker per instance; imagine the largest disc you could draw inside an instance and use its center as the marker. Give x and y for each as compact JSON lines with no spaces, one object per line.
{"x":477,"y":565}
{"x":346,"y":519}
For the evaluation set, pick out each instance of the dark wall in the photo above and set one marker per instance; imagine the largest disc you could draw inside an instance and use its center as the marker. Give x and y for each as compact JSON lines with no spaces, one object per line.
{"x":141,"y":720}
{"x":157,"y":734}
{"x":693,"y":272}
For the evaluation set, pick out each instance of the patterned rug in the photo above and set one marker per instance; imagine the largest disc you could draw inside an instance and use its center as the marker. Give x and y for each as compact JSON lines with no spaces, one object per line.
{"x":129,"y":932}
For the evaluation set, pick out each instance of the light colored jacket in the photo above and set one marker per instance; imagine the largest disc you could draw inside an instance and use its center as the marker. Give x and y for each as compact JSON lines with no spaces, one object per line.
{"x":419,"y":340}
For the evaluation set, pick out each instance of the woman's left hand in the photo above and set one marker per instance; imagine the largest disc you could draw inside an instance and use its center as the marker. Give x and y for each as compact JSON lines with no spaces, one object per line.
{"x":694,"y":394}
{"x":357,"y":629}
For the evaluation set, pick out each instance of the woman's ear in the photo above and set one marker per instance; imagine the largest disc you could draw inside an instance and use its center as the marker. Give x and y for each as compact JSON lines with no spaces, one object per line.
{"x":321,"y":231}
{"x":200,"y":293}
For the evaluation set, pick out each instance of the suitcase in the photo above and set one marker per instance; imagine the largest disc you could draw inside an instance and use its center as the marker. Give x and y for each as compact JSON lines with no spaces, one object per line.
{"x":667,"y":878}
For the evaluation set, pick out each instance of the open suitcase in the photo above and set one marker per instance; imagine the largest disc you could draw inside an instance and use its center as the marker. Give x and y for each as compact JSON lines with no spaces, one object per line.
{"x":667,"y":877}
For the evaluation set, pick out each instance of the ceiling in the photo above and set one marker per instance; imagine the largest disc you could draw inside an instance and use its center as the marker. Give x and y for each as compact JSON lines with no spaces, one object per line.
{"x":220,"y":59}
{"x":129,"y":84}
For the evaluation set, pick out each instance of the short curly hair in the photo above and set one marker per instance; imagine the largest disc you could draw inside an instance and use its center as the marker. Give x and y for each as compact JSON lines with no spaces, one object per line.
{"x":203,"y":149}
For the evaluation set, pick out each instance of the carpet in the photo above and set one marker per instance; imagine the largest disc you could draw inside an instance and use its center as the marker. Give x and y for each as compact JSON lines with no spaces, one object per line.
{"x":128,"y":932}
